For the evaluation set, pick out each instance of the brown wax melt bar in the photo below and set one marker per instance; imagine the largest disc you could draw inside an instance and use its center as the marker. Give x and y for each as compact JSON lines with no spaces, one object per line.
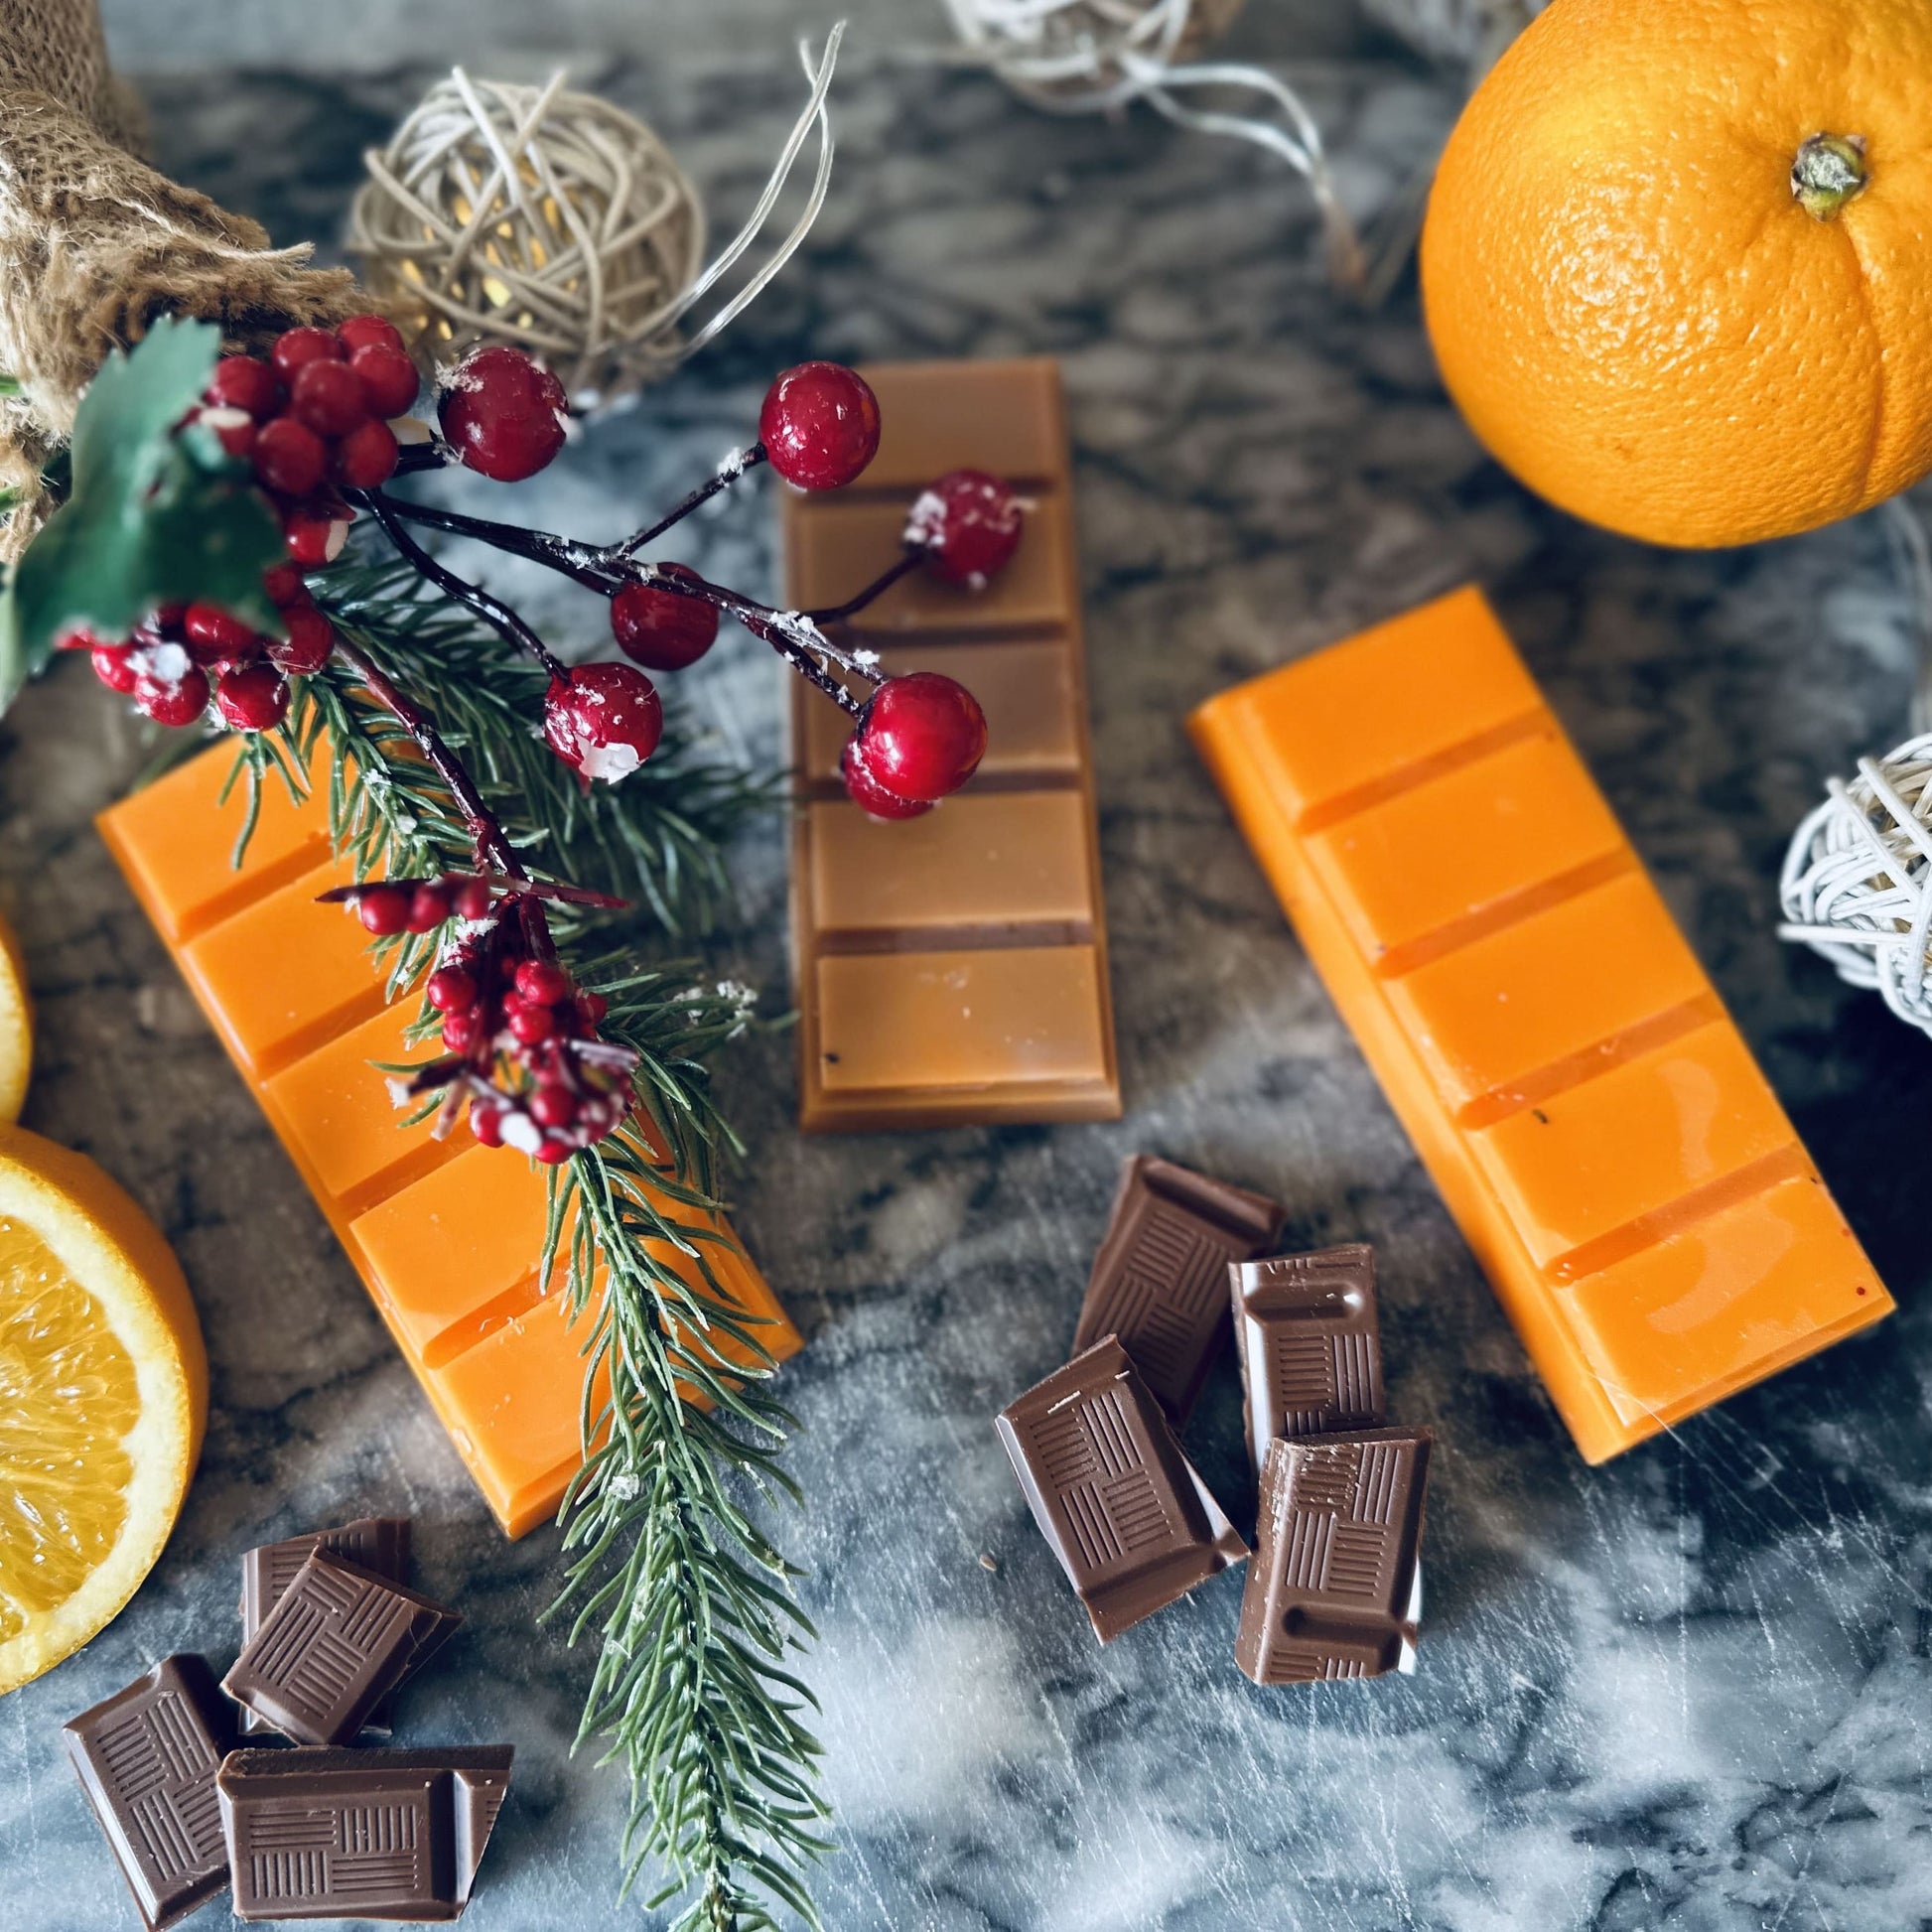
{"x":1160,"y":1278}
{"x":339,"y":1639}
{"x":359,"y":1834}
{"x":1132,"y":1523}
{"x":377,"y":1543}
{"x":1332,"y":1592}
{"x":147,"y":1759}
{"x":952,"y":969}
{"x":1308,"y":1341}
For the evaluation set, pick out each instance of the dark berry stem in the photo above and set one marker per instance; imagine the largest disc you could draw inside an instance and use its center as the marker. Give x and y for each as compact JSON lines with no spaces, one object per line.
{"x":727,"y":473}
{"x":877,"y":589}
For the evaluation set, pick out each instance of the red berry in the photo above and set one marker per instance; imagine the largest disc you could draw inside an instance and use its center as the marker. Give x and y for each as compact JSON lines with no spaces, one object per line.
{"x":553,"y":1106}
{"x":365,"y":459}
{"x":450,"y":989}
{"x":868,"y":793}
{"x":235,"y":430}
{"x":383,"y":909}
{"x":462,"y":1031}
{"x":216,"y":637}
{"x":819,"y":425}
{"x":428,"y":906}
{"x":304,"y":651}
{"x":284,"y":584}
{"x":244,"y":382}
{"x":552,"y":1152}
{"x":486,"y":1122}
{"x":473,"y":899}
{"x":604,"y":722}
{"x":388,"y":378}
{"x":369,"y":331}
{"x":173,"y":701}
{"x":661,"y":630}
{"x":920,"y":735}
{"x":968,"y":524}
{"x":115,"y":667}
{"x":591,"y":1006}
{"x":505,"y":413}
{"x":328,"y":396}
{"x":542,"y":983}
{"x":315,"y":540}
{"x":296,"y":348}
{"x":78,"y":638}
{"x":529,"y":1023}
{"x":253,"y":698}
{"x":290,"y":458}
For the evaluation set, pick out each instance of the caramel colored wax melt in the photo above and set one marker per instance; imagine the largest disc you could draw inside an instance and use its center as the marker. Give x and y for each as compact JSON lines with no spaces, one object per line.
{"x":952,"y":969}
{"x":446,"y":1234}
{"x":1595,"y":1122}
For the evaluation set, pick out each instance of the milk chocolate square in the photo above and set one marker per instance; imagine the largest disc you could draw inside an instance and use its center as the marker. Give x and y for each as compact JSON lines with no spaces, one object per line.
{"x":1307,"y":1337}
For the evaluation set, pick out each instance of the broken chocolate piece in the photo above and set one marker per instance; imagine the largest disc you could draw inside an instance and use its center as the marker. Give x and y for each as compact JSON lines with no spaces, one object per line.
{"x":338,"y":1640}
{"x":1160,"y":1278}
{"x":1307,"y":1337}
{"x":1132,"y":1523}
{"x":359,"y":1834}
{"x":147,"y":1759}
{"x":1331,"y":1592}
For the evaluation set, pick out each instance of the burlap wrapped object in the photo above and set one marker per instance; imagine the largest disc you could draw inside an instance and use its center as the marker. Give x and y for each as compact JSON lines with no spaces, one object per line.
{"x":95,"y":244}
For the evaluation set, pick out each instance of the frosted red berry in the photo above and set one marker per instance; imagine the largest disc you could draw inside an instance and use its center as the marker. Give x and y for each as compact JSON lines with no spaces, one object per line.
{"x":868,"y":793}
{"x":243,"y":383}
{"x":661,"y":630}
{"x":115,"y":667}
{"x":451,"y":988}
{"x":920,"y":735}
{"x":174,"y":700}
{"x":542,"y":982}
{"x":388,"y":378}
{"x":290,"y":458}
{"x":252,"y":698}
{"x":819,"y":425}
{"x":554,"y":1151}
{"x":473,"y":899}
{"x":553,"y":1105}
{"x":234,"y":429}
{"x":605,"y":721}
{"x":296,"y":348}
{"x":463,"y":1030}
{"x":284,"y":584}
{"x":214,"y":637}
{"x":504,"y":413}
{"x":486,"y":1122}
{"x":365,"y":459}
{"x":429,"y":908}
{"x":329,"y":398}
{"x":591,"y":1007}
{"x":383,"y":909}
{"x":304,"y":651}
{"x":369,"y":331}
{"x":529,"y":1025}
{"x":968,"y":524}
{"x":314,"y":540}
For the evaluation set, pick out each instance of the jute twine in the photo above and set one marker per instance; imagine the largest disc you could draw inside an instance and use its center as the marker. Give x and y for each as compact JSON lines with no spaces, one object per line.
{"x":556,"y":222}
{"x":95,"y":244}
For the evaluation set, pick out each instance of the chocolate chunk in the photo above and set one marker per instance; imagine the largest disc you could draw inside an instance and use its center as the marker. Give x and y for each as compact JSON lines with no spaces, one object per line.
{"x":1132,"y":1523}
{"x":1306,"y":1340}
{"x":147,"y":1759}
{"x":377,"y":1543}
{"x":337,"y":1641}
{"x":359,"y":1834}
{"x":1332,"y":1590}
{"x":1160,"y":1279}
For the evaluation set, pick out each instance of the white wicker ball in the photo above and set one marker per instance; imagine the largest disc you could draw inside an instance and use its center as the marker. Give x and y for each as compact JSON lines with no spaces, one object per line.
{"x":1086,"y":52}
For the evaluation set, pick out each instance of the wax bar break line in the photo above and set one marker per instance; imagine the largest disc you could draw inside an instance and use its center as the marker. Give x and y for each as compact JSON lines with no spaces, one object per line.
{"x":1643,"y":1207}
{"x":446,"y":1237}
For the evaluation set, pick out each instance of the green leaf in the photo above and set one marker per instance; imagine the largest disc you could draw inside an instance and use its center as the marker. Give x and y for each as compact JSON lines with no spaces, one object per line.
{"x":153,"y":517}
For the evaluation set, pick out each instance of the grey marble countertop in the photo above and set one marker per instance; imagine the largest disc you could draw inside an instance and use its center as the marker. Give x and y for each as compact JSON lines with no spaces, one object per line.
{"x":1687,"y":1691}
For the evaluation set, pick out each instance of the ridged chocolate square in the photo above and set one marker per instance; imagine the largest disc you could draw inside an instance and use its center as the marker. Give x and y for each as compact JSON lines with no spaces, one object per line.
{"x":1130,"y":1519}
{"x":377,"y":1543}
{"x":1308,"y":1339}
{"x":1331,"y":1592}
{"x":1159,"y":1278}
{"x":336,"y":1642}
{"x":147,"y":1758}
{"x":359,"y":1834}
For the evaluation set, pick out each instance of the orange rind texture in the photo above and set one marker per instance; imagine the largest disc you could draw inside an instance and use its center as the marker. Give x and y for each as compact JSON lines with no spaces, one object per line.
{"x":1624,"y":1173}
{"x":446,"y":1234}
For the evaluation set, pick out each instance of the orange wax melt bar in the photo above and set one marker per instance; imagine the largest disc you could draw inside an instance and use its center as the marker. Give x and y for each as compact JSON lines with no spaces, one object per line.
{"x":1566,"y":1069}
{"x":446,"y":1236}
{"x":952,"y":969}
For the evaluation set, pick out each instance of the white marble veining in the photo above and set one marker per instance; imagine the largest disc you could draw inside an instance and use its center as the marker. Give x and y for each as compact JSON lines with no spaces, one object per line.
{"x":1689,"y":1690}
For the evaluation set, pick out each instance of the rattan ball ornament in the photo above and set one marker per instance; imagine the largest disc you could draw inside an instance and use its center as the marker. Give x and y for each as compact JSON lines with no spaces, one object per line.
{"x":535,"y":217}
{"x":1087,"y":53}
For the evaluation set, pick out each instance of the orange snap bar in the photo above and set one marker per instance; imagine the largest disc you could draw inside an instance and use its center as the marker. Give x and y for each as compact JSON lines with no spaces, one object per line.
{"x":1596,"y":1124}
{"x":445,"y":1235}
{"x":952,"y":969}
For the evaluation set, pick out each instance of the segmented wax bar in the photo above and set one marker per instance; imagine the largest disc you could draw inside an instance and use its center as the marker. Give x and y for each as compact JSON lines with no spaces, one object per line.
{"x":1643,"y":1207}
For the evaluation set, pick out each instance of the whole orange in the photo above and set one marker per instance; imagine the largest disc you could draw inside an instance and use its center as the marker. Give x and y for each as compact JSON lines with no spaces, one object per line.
{"x":1677,"y":264}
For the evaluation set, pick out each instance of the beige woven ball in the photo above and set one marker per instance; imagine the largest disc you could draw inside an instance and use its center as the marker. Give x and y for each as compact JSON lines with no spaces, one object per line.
{"x":1077,"y":53}
{"x":534,"y":216}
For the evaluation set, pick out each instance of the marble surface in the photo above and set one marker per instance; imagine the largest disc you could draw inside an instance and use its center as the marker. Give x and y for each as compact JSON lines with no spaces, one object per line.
{"x":1687,"y":1691}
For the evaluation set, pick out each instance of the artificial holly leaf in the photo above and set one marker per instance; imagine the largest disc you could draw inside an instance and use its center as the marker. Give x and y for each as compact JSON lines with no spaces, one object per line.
{"x":152,"y":517}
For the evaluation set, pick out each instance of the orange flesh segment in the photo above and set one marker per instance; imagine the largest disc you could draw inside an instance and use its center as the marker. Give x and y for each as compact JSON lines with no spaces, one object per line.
{"x":1595,"y":1122}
